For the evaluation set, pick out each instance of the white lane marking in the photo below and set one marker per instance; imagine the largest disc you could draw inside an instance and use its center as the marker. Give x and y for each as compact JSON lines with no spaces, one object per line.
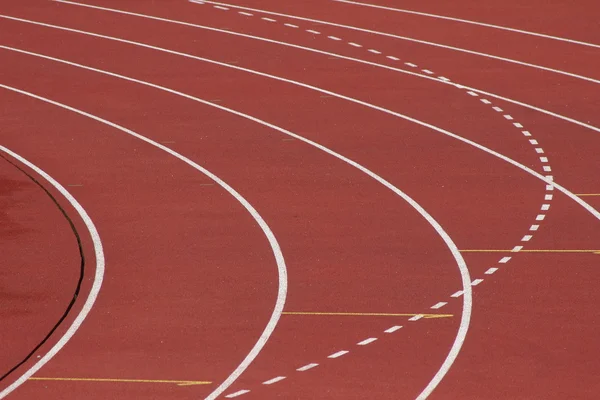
{"x":544,"y":159}
{"x":470,"y":93}
{"x":245,"y":13}
{"x":374,"y":51}
{"x":526,"y":238}
{"x":268,"y":19}
{"x":338,"y":354}
{"x":548,"y":197}
{"x":439,"y":305}
{"x":281,"y":267}
{"x":476,"y":282}
{"x":533,"y":141}
{"x":291,"y":25}
{"x":393,"y":58}
{"x":411,"y":64}
{"x":549,"y":187}
{"x":307,"y":367}
{"x":354,"y":44}
{"x":393,"y":329}
{"x":428,"y":72}
{"x":366,"y":341}
{"x":498,"y":109}
{"x":547,"y":168}
{"x":313,"y":32}
{"x":221,"y":8}
{"x":504,"y":260}
{"x":534,"y":228}
{"x":518,"y":125}
{"x":485,"y":101}
{"x":443,"y":78}
{"x":508,"y":117}
{"x":238,"y":393}
{"x":466,"y":21}
{"x":516,"y":249}
{"x":549,"y":178}
{"x":98,"y":275}
{"x":538,"y":109}
{"x":354,"y":28}
{"x":491,"y":271}
{"x":540,"y":217}
{"x":526,"y":133}
{"x":539,"y":150}
{"x":545,"y":207}
{"x":334,"y":38}
{"x":416,"y":317}
{"x":274,"y":380}
{"x":464,"y":272}
{"x":201,"y":2}
{"x":457,"y":294}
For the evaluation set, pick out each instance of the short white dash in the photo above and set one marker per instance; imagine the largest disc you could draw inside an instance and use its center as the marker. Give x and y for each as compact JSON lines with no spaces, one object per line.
{"x":367,"y":341}
{"x":268,"y":19}
{"x":549,"y":187}
{"x":518,"y":125}
{"x":459,"y":86}
{"x":197,"y":2}
{"x":374,"y":51}
{"x":547,"y":168}
{"x":338,"y":354}
{"x":236,"y":394}
{"x":274,"y":380}
{"x":472,"y":94}
{"x":307,"y":367}
{"x":526,"y":133}
{"x":526,"y":238}
{"x":534,"y":227}
{"x":497,"y":109}
{"x":439,"y":305}
{"x":485,"y":101}
{"x":491,"y":271}
{"x":334,"y":38}
{"x":457,"y":294}
{"x":411,"y":64}
{"x":516,"y":249}
{"x":476,"y":282}
{"x":313,"y":32}
{"x":545,"y":207}
{"x":544,"y":159}
{"x":416,"y":317}
{"x":428,"y":72}
{"x":508,"y":116}
{"x":549,"y":178}
{"x":548,"y":197}
{"x":393,"y":58}
{"x":539,"y":150}
{"x":291,"y":25}
{"x":354,"y":44}
{"x":221,"y":8}
{"x":533,"y":141}
{"x":245,"y":13}
{"x":444,"y":79}
{"x":540,"y":217}
{"x":393,"y":329}
{"x":504,"y":260}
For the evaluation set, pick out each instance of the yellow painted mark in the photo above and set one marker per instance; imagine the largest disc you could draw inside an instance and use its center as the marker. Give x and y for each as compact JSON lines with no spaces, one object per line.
{"x":178,"y":383}
{"x":529,"y":251}
{"x":357,"y":314}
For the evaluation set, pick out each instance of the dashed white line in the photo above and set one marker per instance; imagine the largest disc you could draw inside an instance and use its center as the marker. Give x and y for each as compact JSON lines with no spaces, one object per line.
{"x":549,"y":178}
{"x":516,"y":249}
{"x":366,"y":341}
{"x":491,"y":271}
{"x":238,"y":393}
{"x":518,"y":125}
{"x":485,"y":101}
{"x":307,"y":367}
{"x":416,"y":317}
{"x":268,"y":19}
{"x":374,"y":51}
{"x":549,"y":187}
{"x":504,"y":260}
{"x":547,"y":168}
{"x":334,"y":38}
{"x":540,"y":217}
{"x":393,"y":329}
{"x":545,"y":207}
{"x":498,"y":109}
{"x":544,"y":159}
{"x":393,"y":58}
{"x":457,"y":294}
{"x":354,"y":44}
{"x":548,"y":197}
{"x":476,"y":282}
{"x":539,"y":150}
{"x":508,"y":117}
{"x":526,"y":238}
{"x":338,"y":354}
{"x":470,"y":93}
{"x":411,"y":64}
{"x":221,"y":8}
{"x":313,"y":32}
{"x":274,"y":380}
{"x":428,"y":72}
{"x":291,"y":25}
{"x":245,"y":13}
{"x":439,"y":305}
{"x":533,"y":141}
{"x":534,"y":228}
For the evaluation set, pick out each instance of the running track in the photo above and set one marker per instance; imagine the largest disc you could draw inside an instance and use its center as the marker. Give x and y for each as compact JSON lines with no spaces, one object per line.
{"x":299,"y":200}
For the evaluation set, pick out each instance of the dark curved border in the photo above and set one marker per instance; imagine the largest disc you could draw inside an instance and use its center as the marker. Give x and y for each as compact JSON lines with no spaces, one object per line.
{"x":81,"y":271}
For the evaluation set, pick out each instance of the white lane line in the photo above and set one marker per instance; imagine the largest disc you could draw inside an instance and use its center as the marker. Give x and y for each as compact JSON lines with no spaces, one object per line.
{"x":466,"y":21}
{"x":444,"y":79}
{"x":393,"y":58}
{"x":516,"y":249}
{"x":291,"y":25}
{"x":236,"y":394}
{"x":313,"y":50}
{"x":221,"y":8}
{"x":491,"y":271}
{"x":539,"y":150}
{"x":366,"y":341}
{"x":461,"y":264}
{"x":540,"y":217}
{"x":533,"y":141}
{"x":428,"y":72}
{"x":498,"y":109}
{"x":545,"y":207}
{"x":393,"y":329}
{"x":416,"y":317}
{"x":281,"y":267}
{"x":307,"y":367}
{"x":476,"y":282}
{"x":504,"y":260}
{"x":518,"y":125}
{"x":354,"y":44}
{"x":268,"y":19}
{"x":457,"y":294}
{"x":313,"y":32}
{"x":374,"y":51}
{"x":508,"y":117}
{"x":534,"y":228}
{"x":548,"y":197}
{"x":547,"y":168}
{"x":98,"y":275}
{"x":334,"y":38}
{"x":549,"y":187}
{"x":338,"y":354}
{"x":274,"y":380}
{"x":526,"y":238}
{"x":245,"y":13}
{"x":411,"y":64}
{"x":485,"y":101}
{"x":526,"y":133}
{"x":439,"y":305}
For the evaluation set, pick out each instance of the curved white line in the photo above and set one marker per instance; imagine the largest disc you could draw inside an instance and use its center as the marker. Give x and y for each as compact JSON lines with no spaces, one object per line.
{"x":443,"y":46}
{"x":541,"y":110}
{"x":463,"y":269}
{"x":96,"y":285}
{"x":466,"y":21}
{"x":281,"y":268}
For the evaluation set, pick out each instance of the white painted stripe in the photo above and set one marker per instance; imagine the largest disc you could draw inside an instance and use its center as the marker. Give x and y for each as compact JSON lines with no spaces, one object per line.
{"x":533,"y":141}
{"x":526,"y":133}
{"x":411,"y":64}
{"x":236,"y":394}
{"x":476,"y":282}
{"x":338,"y":354}
{"x":547,"y":168}
{"x":312,"y":31}
{"x":534,"y":227}
{"x":540,"y":217}
{"x":393,"y":58}
{"x":457,"y":294}
{"x":472,"y":93}
{"x":516,"y":249}
{"x":291,"y":25}
{"x":268,"y":19}
{"x":544,"y":159}
{"x":518,"y":125}
{"x":498,"y":109}
{"x":508,"y":116}
{"x":545,"y":207}
{"x":334,"y":38}
{"x":526,"y":238}
{"x":274,"y":380}
{"x":367,"y":341}
{"x":548,"y":197}
{"x":416,"y":317}
{"x":307,"y":367}
{"x":504,"y":260}
{"x":428,"y":72}
{"x":354,"y":44}
{"x":393,"y":329}
{"x":201,"y":2}
{"x":439,"y":305}
{"x":549,"y":178}
{"x":98,"y":274}
{"x":374,"y":51}
{"x":221,"y":8}
{"x":491,"y":271}
{"x":549,"y":187}
{"x":281,"y":268}
{"x":245,"y":13}
{"x":539,"y":150}
{"x":466,"y":21}
{"x":485,"y":101}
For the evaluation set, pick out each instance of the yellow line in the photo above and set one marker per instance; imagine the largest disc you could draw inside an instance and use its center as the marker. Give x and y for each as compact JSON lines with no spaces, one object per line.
{"x":528,"y":251}
{"x":179,"y":383}
{"x":354,"y":314}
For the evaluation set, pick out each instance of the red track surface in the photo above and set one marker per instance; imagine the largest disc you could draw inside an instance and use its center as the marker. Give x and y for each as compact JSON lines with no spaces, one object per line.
{"x":191,"y":280}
